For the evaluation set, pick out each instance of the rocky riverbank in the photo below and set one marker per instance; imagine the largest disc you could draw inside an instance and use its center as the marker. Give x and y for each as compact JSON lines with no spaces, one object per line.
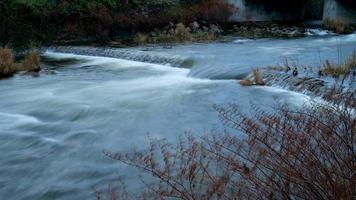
{"x":309,"y":84}
{"x":305,"y":80}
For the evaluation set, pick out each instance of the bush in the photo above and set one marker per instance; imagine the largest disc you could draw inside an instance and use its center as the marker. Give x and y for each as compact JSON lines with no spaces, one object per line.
{"x":254,"y":79}
{"x":338,"y":70}
{"x":337,"y":25}
{"x":182,"y":33}
{"x":282,"y":154}
{"x":8,"y":67}
{"x":141,"y":39}
{"x":32,"y":62}
{"x":6,"y":63}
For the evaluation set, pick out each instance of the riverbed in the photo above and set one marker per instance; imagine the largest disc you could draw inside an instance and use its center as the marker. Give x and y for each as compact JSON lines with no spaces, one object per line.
{"x":54,"y":127}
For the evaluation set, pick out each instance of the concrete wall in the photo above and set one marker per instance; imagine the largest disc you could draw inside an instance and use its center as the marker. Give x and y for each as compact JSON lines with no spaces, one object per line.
{"x":332,"y":10}
{"x":336,"y":10}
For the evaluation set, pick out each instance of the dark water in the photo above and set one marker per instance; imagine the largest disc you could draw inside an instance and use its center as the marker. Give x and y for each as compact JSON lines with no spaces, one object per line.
{"x":53,"y":128}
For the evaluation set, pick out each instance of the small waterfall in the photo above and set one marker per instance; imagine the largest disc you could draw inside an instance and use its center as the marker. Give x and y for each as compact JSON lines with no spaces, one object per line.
{"x":127,"y":54}
{"x":201,"y":72}
{"x":218,"y":73}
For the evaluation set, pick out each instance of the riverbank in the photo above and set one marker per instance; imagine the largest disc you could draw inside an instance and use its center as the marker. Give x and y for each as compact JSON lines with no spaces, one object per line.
{"x":203,"y":32}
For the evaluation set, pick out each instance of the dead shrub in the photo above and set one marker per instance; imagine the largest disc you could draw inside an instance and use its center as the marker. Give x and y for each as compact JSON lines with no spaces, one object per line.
{"x":141,"y":39}
{"x":6,"y":62}
{"x":254,"y":79}
{"x":336,"y":25}
{"x":282,"y":154}
{"x":32,"y":62}
{"x":182,"y":33}
{"x":337,"y":70}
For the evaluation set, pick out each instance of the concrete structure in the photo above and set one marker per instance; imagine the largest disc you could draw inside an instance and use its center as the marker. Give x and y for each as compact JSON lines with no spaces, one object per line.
{"x":335,"y":10}
{"x":332,"y":10}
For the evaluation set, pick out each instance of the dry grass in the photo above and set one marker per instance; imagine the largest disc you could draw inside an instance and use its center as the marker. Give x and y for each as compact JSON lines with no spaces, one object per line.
{"x":8,"y":66}
{"x":257,"y":77}
{"x":182,"y":33}
{"x":32,"y":62}
{"x":141,"y":39}
{"x":335,"y":70}
{"x":339,"y":70}
{"x":284,"y":154}
{"x":6,"y":62}
{"x":337,"y":25}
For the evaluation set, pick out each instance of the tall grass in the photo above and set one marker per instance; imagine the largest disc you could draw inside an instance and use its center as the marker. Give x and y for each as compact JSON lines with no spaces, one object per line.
{"x":8,"y":66}
{"x":32,"y":62}
{"x":6,"y":62}
{"x":255,"y":79}
{"x":336,"y":25}
{"x":338,"y":70}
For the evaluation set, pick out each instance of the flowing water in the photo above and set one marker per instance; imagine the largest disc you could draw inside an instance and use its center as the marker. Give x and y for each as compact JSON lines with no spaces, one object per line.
{"x":54,"y":127}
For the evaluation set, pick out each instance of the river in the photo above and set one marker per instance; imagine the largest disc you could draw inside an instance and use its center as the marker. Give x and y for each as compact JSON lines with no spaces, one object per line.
{"x":54,"y":127}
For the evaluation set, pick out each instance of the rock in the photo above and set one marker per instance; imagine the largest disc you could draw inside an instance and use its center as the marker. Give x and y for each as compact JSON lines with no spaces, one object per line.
{"x":245,"y":82}
{"x":215,"y":29}
{"x":194,"y":26}
{"x":295,"y":72}
{"x":205,"y":29}
{"x":153,"y":34}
